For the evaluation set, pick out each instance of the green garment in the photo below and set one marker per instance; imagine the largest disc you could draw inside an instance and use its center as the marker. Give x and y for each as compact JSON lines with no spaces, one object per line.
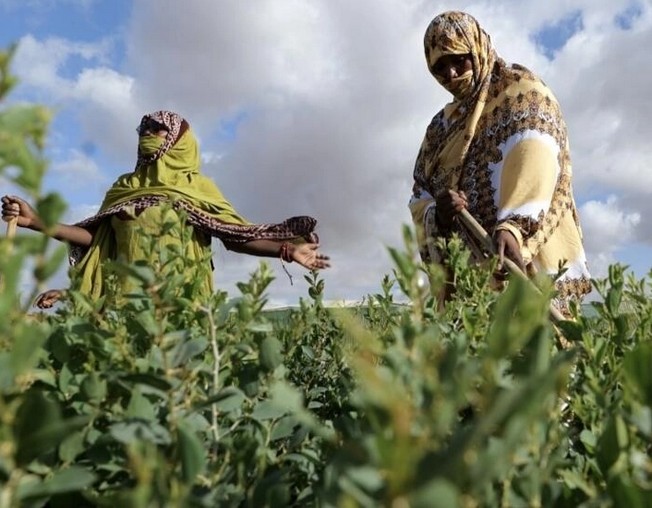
{"x":175,"y":175}
{"x":136,"y":238}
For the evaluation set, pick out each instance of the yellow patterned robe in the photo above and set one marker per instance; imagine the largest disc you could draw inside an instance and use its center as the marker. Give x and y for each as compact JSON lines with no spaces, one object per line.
{"x":504,"y":144}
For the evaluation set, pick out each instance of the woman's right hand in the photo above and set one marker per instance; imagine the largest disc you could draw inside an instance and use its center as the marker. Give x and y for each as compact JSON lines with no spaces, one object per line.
{"x":448,"y":205}
{"x":15,"y":208}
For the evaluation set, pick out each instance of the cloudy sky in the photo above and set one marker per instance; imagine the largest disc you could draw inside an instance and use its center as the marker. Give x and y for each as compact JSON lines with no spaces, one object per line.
{"x":318,"y":107}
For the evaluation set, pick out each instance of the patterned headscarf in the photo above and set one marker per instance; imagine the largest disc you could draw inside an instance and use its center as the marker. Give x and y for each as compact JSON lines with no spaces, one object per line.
{"x":457,"y":33}
{"x":172,"y":123}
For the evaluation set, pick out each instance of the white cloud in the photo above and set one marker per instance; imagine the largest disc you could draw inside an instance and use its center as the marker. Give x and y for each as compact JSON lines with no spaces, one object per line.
{"x":39,"y":63}
{"x":80,"y":212}
{"x":104,"y":86}
{"x":104,"y":96}
{"x":77,"y":171}
{"x":607,"y":228}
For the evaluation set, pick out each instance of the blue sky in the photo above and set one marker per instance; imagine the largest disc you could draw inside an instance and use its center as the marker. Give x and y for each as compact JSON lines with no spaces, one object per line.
{"x":318,"y":107}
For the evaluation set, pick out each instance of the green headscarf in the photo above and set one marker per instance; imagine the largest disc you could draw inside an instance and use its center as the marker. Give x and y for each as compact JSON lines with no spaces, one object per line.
{"x":175,"y":175}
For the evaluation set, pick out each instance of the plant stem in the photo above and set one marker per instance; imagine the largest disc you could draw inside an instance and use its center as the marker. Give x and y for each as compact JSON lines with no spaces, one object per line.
{"x":216,"y":370}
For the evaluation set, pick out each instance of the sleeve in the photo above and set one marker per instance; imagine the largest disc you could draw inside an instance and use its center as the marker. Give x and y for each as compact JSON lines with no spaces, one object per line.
{"x":422,"y":208}
{"x":526,"y":184}
{"x":422,"y":202}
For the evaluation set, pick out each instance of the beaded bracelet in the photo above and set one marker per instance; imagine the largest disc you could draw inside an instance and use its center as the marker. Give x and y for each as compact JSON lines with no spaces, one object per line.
{"x":284,"y":253}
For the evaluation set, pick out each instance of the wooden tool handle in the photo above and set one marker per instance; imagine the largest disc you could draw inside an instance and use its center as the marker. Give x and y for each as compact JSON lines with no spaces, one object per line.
{"x":474,"y":227}
{"x":11,"y":227}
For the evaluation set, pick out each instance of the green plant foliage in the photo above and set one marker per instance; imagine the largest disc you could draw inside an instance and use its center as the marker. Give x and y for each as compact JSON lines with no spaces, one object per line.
{"x":157,"y":397}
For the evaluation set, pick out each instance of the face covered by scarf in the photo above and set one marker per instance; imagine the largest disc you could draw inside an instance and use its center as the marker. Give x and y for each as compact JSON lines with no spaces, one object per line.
{"x":458,"y":33}
{"x":152,"y":148}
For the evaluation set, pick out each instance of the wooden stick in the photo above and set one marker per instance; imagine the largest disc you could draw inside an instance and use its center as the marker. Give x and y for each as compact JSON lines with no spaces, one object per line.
{"x":11,"y":233}
{"x":487,"y":242}
{"x":11,"y":227}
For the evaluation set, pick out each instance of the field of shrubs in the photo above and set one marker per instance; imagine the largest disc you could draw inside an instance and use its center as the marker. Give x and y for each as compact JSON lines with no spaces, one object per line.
{"x":165,"y":401}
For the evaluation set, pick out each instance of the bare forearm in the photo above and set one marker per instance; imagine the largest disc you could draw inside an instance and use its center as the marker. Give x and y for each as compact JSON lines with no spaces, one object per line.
{"x":17,"y":209}
{"x":67,"y":233}
{"x":264,"y":248}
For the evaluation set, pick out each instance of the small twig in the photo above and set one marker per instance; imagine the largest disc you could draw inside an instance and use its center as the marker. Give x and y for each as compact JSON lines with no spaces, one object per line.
{"x":216,"y":371}
{"x":11,"y":233}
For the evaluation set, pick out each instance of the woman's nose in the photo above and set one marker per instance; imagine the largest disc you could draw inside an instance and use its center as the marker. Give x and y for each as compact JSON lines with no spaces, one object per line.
{"x":450,"y":72}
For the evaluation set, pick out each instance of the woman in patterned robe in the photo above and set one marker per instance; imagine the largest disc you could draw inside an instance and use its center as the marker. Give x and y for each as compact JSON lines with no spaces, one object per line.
{"x":145,"y":204}
{"x":499,"y":149}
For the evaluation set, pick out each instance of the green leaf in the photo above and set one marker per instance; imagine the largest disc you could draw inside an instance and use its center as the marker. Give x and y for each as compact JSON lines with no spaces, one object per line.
{"x":588,"y":440}
{"x":152,"y":380}
{"x":187,"y":350}
{"x":518,"y":312}
{"x":268,"y":410}
{"x":44,"y":376}
{"x":271,"y":355}
{"x":67,"y":480}
{"x":26,"y":347}
{"x":226,"y":400}
{"x":39,"y":427}
{"x":6,"y":372}
{"x":65,"y":379}
{"x":143,"y":273}
{"x":571,"y":330}
{"x":613,"y":300}
{"x":132,"y":431}
{"x":140,"y":407}
{"x":260,"y":327}
{"x":72,"y":446}
{"x":437,"y":493}
{"x":368,"y":478}
{"x":283,"y":428}
{"x":642,"y":419}
{"x":93,"y":388}
{"x":191,"y":453}
{"x":625,"y":493}
{"x":613,"y":441}
{"x":638,"y":371}
{"x":149,"y":323}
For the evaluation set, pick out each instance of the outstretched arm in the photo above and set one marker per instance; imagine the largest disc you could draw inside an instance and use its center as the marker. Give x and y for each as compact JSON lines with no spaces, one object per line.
{"x":306,"y":254}
{"x":14,"y":207}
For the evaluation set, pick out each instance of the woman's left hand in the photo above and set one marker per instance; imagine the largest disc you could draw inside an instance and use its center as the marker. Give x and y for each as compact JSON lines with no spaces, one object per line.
{"x":307,"y":255}
{"x":507,"y":246}
{"x":48,"y":298}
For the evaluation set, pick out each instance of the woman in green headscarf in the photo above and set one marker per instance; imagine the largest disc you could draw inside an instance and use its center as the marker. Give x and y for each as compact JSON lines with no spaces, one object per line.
{"x":140,"y":219}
